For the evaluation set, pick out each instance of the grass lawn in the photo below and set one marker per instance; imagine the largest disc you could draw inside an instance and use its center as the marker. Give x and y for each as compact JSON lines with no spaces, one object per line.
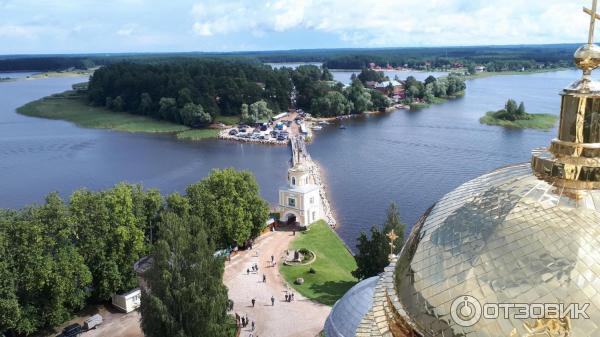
{"x":198,"y":134}
{"x":227,"y":120}
{"x":73,"y":108}
{"x":538,"y":121}
{"x":332,"y":265}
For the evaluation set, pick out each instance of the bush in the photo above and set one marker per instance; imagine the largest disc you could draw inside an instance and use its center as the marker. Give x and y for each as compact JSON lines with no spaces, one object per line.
{"x":312,"y":270}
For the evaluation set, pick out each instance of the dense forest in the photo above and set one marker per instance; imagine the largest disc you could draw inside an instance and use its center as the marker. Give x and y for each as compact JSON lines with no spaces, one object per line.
{"x":59,"y":256}
{"x":495,"y":58}
{"x":189,"y":92}
{"x":194,"y":92}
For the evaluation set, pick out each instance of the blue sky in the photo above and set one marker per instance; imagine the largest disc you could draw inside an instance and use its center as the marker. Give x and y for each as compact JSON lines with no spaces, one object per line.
{"x":91,"y":26}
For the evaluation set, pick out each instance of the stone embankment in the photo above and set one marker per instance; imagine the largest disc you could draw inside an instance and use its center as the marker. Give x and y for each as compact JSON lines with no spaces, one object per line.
{"x":300,"y":155}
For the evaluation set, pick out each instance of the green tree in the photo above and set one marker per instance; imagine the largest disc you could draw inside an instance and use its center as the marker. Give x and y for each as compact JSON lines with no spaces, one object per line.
{"x":168,"y":108}
{"x":230,"y":204}
{"x":373,"y":251}
{"x":260,"y":111}
{"x":145,"y":106}
{"x":511,"y":107}
{"x":521,"y":109}
{"x":245,"y":115}
{"x":111,"y":236}
{"x":430,"y":79}
{"x":370,"y":75}
{"x":118,"y":104}
{"x":47,"y":275}
{"x":332,"y":104}
{"x":185,"y":295}
{"x":326,"y":75}
{"x":360,"y":97}
{"x":193,"y":115}
{"x":379,"y":100}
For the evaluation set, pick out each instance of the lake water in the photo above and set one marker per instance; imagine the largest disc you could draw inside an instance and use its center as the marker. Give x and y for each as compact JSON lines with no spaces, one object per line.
{"x":409,"y":157}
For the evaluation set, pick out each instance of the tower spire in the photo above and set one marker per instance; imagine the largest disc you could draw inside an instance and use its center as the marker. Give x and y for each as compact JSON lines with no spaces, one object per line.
{"x":573,"y":159}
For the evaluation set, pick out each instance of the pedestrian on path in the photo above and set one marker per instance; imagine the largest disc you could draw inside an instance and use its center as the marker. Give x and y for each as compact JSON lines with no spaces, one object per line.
{"x":252,"y":325}
{"x":272,"y":301}
{"x":272,"y":258}
{"x":286,"y":297}
{"x":243,"y":322}
{"x":253,"y":302}
{"x":264,"y":278}
{"x":247,"y":271}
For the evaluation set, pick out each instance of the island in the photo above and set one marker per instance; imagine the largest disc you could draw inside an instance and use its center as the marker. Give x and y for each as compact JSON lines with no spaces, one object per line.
{"x":231,"y":99}
{"x":515,"y":116}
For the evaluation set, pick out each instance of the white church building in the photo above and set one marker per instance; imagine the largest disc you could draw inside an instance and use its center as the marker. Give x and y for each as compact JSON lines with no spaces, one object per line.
{"x":299,"y":201}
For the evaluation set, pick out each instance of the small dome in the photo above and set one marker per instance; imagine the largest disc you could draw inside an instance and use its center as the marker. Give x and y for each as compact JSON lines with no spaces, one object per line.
{"x":350,"y":309}
{"x":505,"y":237}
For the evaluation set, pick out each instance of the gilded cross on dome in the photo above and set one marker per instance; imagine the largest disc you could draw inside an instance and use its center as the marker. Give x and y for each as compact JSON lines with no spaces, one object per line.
{"x":593,"y":16}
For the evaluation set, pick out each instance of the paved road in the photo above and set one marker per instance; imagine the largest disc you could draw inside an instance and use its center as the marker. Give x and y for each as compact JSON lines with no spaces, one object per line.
{"x":299,"y":318}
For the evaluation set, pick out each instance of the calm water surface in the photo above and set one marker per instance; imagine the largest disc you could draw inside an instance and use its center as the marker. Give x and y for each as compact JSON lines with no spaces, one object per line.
{"x":409,"y":157}
{"x":39,"y":155}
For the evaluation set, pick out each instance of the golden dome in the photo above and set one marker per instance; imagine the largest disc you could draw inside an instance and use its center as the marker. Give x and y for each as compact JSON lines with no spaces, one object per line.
{"x":587,"y":57}
{"x":505,"y":237}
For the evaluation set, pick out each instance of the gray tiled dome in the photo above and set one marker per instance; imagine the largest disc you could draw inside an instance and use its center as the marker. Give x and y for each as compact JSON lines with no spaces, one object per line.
{"x":350,"y":309}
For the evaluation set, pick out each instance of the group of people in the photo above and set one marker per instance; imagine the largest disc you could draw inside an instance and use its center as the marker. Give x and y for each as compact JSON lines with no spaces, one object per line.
{"x":254,"y":269}
{"x":289,"y":297}
{"x":243,"y":321}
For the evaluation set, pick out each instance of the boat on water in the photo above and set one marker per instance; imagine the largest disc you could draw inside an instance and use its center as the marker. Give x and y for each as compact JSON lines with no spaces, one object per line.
{"x":317,"y":127}
{"x":342,"y":126}
{"x":323,"y":123}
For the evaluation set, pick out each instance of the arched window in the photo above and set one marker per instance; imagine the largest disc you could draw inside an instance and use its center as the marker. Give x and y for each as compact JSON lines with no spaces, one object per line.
{"x":293,"y":180}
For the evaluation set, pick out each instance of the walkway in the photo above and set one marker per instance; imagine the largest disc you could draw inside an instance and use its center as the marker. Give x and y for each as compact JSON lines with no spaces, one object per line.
{"x":299,"y":318}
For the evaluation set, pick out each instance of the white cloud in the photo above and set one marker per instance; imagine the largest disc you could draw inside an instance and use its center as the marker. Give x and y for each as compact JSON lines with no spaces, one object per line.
{"x":400,"y":22}
{"x":127,"y":30}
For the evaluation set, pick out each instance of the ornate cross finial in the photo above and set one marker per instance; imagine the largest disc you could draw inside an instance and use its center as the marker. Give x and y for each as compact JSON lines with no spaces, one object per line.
{"x":593,"y":16}
{"x":392,"y":236}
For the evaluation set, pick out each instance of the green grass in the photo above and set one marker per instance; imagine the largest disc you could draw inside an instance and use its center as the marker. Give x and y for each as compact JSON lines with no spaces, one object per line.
{"x":537,"y":121}
{"x":72,"y":107}
{"x":227,"y":120}
{"x":497,"y":73}
{"x":333,"y":265}
{"x":198,"y":134}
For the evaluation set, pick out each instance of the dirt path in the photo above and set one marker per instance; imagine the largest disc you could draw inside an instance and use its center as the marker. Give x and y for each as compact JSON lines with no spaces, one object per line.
{"x":299,"y":318}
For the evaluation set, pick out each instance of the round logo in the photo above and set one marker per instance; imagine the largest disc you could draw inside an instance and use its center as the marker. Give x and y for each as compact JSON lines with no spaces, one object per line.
{"x":466,"y":310}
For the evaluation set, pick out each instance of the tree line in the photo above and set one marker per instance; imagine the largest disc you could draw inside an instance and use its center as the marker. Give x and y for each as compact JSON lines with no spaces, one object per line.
{"x":57,"y":257}
{"x":190,"y":92}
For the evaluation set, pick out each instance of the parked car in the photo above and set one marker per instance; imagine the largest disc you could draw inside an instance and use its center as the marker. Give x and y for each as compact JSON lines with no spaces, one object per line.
{"x":243,"y":130}
{"x":288,"y":123}
{"x":92,"y":322}
{"x":72,"y":330}
{"x":233,"y":132}
{"x":263,"y":127}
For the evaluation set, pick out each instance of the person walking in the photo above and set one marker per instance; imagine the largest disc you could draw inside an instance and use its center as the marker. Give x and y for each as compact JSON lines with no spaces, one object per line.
{"x":264,"y":278}
{"x":272,"y":258}
{"x":243,"y":322}
{"x":272,"y":301}
{"x":253,"y":302}
{"x":252,"y":325}
{"x":291,"y":296}
{"x":286,"y":297}
{"x":247,"y":271}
